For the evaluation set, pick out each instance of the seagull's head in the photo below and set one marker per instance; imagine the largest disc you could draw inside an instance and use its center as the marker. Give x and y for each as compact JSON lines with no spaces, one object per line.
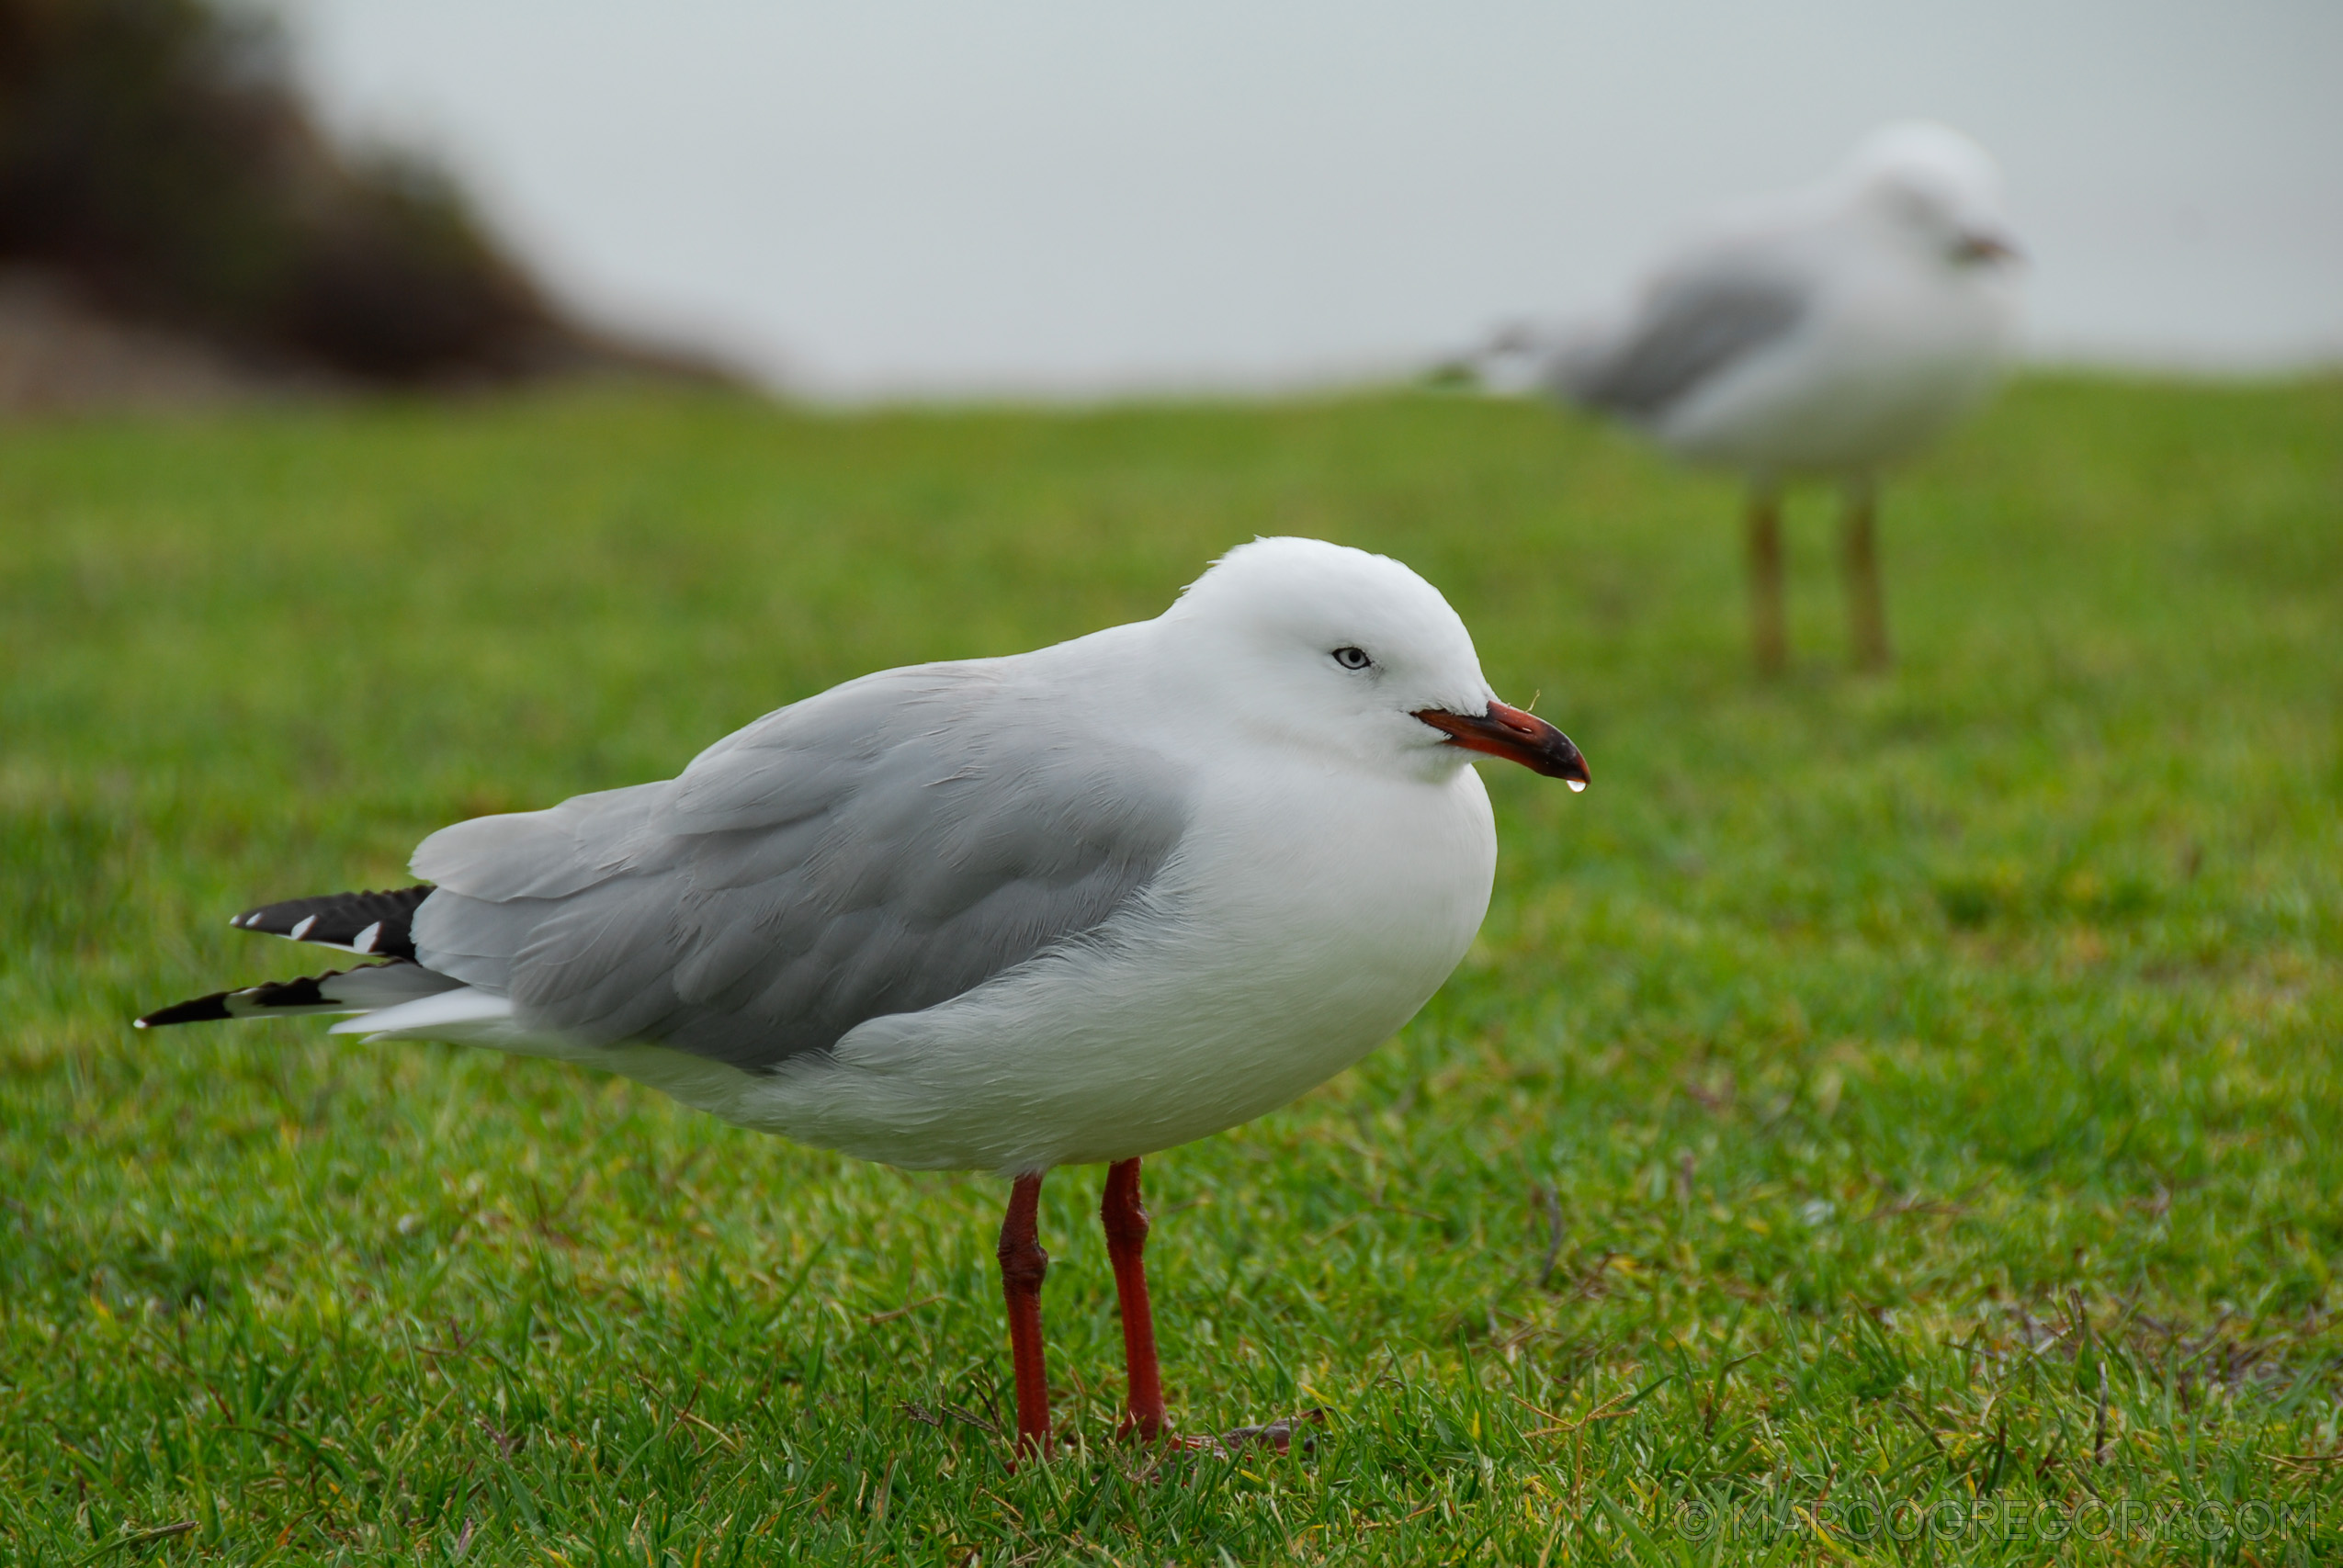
{"x":1353,"y":655}
{"x":1936,"y":189}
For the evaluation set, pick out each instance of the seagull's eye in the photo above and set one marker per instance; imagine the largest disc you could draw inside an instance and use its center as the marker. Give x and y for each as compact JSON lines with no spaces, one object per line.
{"x":1352,"y":658}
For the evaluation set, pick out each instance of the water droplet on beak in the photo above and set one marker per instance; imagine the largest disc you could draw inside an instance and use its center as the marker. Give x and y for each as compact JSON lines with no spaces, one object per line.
{"x":1577,"y":786}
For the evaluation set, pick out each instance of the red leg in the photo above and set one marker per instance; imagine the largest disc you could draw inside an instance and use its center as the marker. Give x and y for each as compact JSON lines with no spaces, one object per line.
{"x":1124,"y":1218}
{"x":1768,"y":628}
{"x":1023,"y":1266}
{"x":1866,"y":608}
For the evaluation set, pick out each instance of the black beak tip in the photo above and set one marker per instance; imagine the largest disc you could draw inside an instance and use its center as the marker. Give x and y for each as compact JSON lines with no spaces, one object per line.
{"x":1567,"y":764}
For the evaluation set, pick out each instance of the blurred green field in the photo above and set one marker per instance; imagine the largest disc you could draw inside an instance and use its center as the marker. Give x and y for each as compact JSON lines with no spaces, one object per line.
{"x":1904,"y":1110}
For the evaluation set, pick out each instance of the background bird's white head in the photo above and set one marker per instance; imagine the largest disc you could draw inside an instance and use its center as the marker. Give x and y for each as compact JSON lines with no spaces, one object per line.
{"x":1328,"y":648}
{"x":1936,"y":188}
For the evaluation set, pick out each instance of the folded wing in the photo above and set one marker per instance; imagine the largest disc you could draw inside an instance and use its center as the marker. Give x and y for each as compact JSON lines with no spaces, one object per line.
{"x":878,"y":849}
{"x":1696,"y":322}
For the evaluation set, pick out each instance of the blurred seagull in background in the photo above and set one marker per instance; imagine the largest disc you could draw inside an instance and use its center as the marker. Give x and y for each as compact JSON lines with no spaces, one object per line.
{"x":1066,"y":908}
{"x":1822,"y":334}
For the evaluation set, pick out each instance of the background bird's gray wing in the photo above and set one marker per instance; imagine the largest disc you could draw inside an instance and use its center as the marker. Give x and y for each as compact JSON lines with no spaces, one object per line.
{"x":878,"y":849}
{"x":1695,"y":321}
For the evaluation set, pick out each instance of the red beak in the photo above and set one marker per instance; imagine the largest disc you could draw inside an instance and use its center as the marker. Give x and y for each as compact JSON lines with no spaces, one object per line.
{"x":1517,"y":736}
{"x":1981,"y":247}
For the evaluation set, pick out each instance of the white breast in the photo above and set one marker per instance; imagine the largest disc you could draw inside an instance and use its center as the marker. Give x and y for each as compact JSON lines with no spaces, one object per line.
{"x":1300,"y":925}
{"x":1891,"y":354}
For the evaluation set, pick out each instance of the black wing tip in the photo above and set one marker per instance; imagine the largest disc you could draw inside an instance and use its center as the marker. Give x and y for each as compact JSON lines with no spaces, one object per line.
{"x":304,"y":995}
{"x":199,"y":1009}
{"x":378,"y":924}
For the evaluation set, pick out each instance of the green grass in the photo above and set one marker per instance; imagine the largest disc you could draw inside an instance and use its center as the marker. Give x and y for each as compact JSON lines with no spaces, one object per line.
{"x":1932,"y":1080}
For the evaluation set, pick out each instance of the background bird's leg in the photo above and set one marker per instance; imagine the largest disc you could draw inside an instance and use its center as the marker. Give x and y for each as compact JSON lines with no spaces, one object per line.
{"x":1866,"y":607}
{"x":1769,"y":637}
{"x":1023,"y":1266}
{"x":1125,"y":1219}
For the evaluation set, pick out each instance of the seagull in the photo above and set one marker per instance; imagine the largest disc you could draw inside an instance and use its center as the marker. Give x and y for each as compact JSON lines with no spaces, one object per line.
{"x":1822,"y":334}
{"x":1071,"y":907}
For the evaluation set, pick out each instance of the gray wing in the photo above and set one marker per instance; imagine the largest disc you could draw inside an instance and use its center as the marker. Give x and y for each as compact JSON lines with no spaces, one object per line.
{"x":1695,"y":321}
{"x":878,"y":849}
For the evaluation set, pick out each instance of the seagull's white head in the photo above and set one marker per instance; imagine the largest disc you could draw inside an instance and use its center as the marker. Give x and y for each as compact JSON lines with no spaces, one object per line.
{"x":1352,"y":655}
{"x":1934,"y":187}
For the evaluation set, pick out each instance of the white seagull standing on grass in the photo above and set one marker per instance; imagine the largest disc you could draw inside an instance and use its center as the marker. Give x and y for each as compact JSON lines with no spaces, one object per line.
{"x":1823,"y":333}
{"x":1066,"y":908}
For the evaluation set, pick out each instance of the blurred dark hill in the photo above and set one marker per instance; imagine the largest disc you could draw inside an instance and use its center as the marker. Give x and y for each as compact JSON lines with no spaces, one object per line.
{"x":157,"y":163}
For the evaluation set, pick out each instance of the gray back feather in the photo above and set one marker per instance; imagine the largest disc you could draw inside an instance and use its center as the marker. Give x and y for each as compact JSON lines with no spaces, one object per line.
{"x":878,"y":849}
{"x":1695,"y":323}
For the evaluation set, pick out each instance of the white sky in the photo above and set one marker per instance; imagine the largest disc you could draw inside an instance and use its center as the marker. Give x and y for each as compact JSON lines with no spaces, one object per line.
{"x":883,"y":198}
